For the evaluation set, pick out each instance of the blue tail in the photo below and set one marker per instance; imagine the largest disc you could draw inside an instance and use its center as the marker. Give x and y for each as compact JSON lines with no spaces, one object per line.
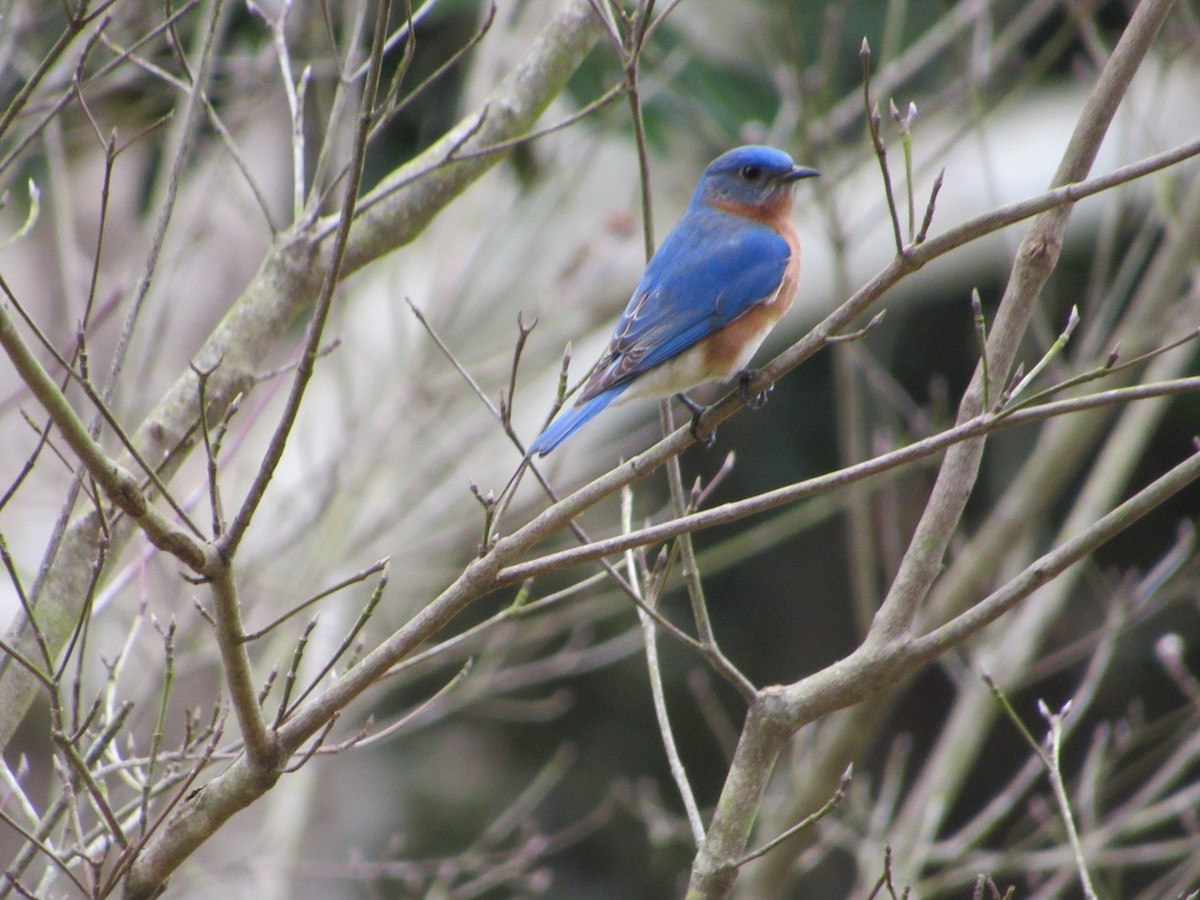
{"x":572,"y":420}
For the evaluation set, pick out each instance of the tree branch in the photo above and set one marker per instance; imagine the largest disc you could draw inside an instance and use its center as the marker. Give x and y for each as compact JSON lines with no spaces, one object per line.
{"x":740,"y":799}
{"x":286,"y":283}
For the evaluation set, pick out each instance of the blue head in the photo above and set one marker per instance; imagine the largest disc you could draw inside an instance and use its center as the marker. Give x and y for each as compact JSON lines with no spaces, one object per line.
{"x":750,"y":178}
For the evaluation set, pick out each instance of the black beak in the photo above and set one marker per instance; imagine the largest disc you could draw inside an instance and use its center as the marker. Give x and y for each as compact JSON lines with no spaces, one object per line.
{"x":798,"y":172}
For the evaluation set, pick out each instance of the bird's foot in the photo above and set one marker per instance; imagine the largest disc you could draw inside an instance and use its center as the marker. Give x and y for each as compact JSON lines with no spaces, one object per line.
{"x":752,"y":401}
{"x":705,"y":440}
{"x":697,"y":411}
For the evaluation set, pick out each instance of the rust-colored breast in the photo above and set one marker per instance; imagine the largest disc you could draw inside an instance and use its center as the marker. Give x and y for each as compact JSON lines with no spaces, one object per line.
{"x":729,"y":350}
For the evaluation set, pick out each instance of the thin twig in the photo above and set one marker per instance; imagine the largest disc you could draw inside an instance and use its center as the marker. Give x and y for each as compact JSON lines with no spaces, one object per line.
{"x":241,"y":522}
{"x":650,"y":639}
{"x":187,"y":126}
{"x":1055,"y":349}
{"x":873,"y":122}
{"x":981,"y":339}
{"x":214,"y":488}
{"x":293,"y":672}
{"x":731,"y":512}
{"x":390,"y":110}
{"x":294,"y":93}
{"x":359,"y":624}
{"x":506,"y":405}
{"x":26,"y":606}
{"x":1051,"y":761}
{"x":160,"y":724}
{"x":262,"y":747}
{"x":807,"y":822}
{"x":363,"y":575}
{"x":101,"y":405}
{"x":403,"y":722}
{"x":708,"y":650}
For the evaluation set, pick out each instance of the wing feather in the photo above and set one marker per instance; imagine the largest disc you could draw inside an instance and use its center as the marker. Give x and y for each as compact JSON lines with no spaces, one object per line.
{"x":711,"y":269}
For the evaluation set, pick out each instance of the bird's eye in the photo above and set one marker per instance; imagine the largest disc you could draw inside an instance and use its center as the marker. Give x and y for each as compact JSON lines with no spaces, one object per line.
{"x":750,"y":173}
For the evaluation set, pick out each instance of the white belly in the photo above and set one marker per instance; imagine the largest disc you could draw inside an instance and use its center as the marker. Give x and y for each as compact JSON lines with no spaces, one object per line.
{"x":690,"y":369}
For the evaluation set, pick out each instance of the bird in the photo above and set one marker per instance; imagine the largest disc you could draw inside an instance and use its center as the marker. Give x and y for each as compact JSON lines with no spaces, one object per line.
{"x":714,"y":289}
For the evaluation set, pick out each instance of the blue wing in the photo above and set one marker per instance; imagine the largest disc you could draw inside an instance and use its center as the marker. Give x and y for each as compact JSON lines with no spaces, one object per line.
{"x":711,"y":268}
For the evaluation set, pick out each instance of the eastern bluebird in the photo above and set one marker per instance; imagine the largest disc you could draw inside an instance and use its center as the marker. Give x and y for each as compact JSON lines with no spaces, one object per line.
{"x":717,"y":285}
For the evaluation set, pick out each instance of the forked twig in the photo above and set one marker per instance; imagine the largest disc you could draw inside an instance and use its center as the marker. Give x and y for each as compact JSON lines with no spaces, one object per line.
{"x":650,"y":639}
{"x":873,"y":121}
{"x":807,"y":822}
{"x":1051,"y":760}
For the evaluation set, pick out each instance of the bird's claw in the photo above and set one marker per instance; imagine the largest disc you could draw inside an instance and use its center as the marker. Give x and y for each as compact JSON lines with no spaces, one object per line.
{"x":697,"y":411}
{"x":752,"y":401}
{"x":706,"y":440}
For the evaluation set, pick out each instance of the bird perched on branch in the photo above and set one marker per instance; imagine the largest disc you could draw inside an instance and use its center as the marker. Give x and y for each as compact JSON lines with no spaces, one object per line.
{"x":717,"y":285}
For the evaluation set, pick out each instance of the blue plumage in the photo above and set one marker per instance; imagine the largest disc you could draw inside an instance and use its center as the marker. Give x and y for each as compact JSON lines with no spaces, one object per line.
{"x":572,"y":420}
{"x":715,"y":287}
{"x":705,"y":274}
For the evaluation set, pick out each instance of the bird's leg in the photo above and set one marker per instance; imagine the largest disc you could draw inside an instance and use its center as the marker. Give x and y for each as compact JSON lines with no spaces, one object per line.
{"x":697,"y":411}
{"x":752,"y":401}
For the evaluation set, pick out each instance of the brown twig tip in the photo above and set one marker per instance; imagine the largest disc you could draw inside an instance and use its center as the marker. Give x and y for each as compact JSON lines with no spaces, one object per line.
{"x":716,"y":480}
{"x":858,"y":334}
{"x":1072,"y":322}
{"x":926,"y":222}
{"x":268,"y":684}
{"x":487,"y":501}
{"x":506,"y":397}
{"x":1171,"y":650}
{"x":1052,"y":717}
{"x":1015,"y":379}
{"x":522,"y":327}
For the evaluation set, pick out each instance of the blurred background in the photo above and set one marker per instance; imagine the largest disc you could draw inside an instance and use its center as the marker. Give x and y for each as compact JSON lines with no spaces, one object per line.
{"x":541,"y":771}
